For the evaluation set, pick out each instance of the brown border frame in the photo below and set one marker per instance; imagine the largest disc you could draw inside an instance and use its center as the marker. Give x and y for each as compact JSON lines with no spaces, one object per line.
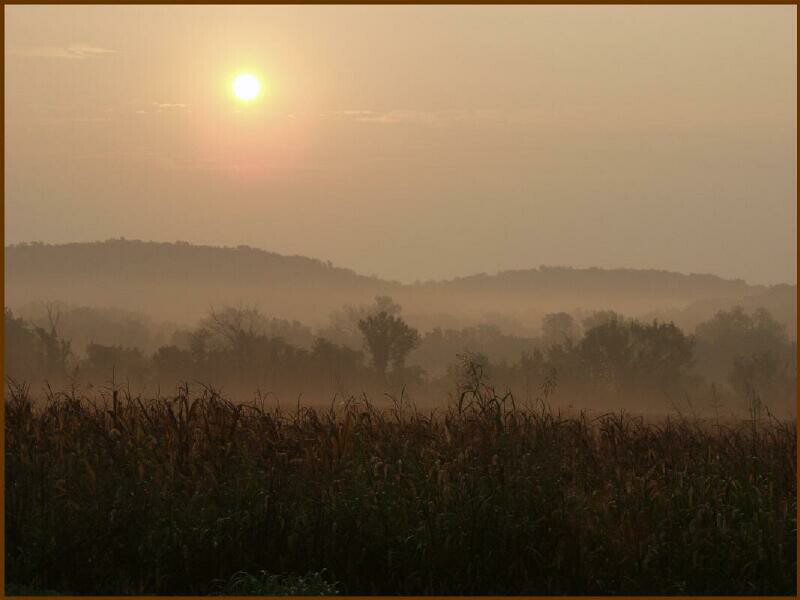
{"x":341,"y":3}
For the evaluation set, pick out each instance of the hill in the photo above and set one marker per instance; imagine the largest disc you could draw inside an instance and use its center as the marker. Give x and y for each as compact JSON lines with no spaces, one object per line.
{"x":178,"y":281}
{"x":181,"y":281}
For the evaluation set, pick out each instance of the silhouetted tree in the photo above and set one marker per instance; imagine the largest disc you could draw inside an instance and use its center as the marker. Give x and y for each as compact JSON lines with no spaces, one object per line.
{"x":772,"y":377}
{"x":735,"y":346}
{"x":344,"y":328}
{"x":55,"y":351}
{"x":104,"y":363}
{"x":173,"y":364}
{"x":634,"y":356}
{"x":388,"y":338}
{"x":599,"y":318}
{"x":22,"y":359}
{"x":438,"y":346}
{"x":333,"y":363}
{"x":83,"y":325}
{"x":558,"y":328}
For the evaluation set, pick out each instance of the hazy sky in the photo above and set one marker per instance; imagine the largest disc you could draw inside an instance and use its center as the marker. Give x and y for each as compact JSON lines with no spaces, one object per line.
{"x":413,"y":142}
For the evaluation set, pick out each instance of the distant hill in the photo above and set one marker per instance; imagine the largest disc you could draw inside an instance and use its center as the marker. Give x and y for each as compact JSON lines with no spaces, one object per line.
{"x":629,"y":290}
{"x":181,"y":281}
{"x":779,"y":300}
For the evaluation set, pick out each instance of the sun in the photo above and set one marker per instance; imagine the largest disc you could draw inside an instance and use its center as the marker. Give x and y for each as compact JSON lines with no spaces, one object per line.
{"x":246,"y":87}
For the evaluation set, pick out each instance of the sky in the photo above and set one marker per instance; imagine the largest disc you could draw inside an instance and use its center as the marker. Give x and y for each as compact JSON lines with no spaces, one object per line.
{"x":413,"y":142}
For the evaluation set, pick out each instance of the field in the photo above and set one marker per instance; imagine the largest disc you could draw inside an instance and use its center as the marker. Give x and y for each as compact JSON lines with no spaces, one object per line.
{"x":194,"y":494}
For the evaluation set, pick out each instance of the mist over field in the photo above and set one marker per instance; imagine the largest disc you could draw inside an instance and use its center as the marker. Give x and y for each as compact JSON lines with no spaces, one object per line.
{"x":149,"y":314}
{"x":237,"y":386}
{"x":418,"y":300}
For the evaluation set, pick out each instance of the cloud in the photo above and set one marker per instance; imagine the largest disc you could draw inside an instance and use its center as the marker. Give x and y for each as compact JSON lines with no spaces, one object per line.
{"x":78,"y":51}
{"x":420,"y":117}
{"x":400,"y":116}
{"x":167,"y":107}
{"x":354,"y":113}
{"x":392,"y":116}
{"x":89,"y":120}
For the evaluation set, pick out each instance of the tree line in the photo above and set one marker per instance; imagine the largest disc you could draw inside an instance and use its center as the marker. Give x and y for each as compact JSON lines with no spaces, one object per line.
{"x":603,"y":357}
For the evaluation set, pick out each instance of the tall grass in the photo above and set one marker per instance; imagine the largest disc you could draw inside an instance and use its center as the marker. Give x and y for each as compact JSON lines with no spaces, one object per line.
{"x":173,"y":495}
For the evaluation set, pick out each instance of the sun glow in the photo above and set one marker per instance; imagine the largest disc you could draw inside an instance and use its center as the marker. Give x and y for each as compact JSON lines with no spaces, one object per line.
{"x":246,"y":87}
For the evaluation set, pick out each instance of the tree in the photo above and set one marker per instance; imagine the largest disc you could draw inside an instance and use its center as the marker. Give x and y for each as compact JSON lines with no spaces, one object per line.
{"x":114,"y":363}
{"x":606,"y":354}
{"x":199,"y":346}
{"x":634,"y":356}
{"x":334,"y":363}
{"x":55,"y":350}
{"x":173,"y":364}
{"x":236,"y":328}
{"x":735,"y":335}
{"x":344,"y":329}
{"x":22,"y":359}
{"x":34,"y":352}
{"x":558,"y":328}
{"x":769,"y":375}
{"x":736,"y":329}
{"x":662,"y":355}
{"x":600,"y":317}
{"x":388,"y":338}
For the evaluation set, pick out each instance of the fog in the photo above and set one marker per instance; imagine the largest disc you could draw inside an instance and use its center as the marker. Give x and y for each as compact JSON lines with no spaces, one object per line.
{"x":412,"y":191}
{"x":146,"y":317}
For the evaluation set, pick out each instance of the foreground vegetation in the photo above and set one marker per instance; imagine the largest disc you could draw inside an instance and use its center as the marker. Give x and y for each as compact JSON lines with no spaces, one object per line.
{"x":193,"y":494}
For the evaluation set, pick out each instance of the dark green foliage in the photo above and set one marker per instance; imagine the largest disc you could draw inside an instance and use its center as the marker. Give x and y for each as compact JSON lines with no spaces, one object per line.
{"x":172,"y":496}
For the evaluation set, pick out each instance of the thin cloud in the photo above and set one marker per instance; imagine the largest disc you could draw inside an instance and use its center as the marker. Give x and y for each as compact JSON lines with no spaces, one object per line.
{"x":392,"y":116}
{"x":90,"y":120}
{"x":540,"y":116}
{"x":73,"y":51}
{"x":421,"y":117}
{"x":401,"y":116}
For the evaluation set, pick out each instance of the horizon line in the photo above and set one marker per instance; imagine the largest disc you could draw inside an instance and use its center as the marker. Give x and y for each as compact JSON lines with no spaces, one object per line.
{"x":388,"y":279}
